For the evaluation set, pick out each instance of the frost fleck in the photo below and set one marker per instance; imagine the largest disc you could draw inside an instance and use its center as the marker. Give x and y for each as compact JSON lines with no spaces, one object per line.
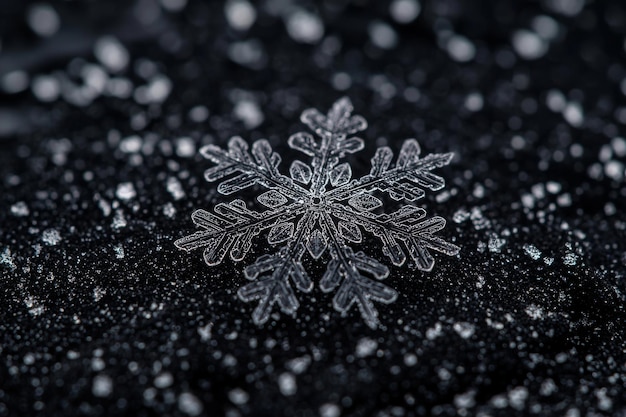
{"x":238,"y":396}
{"x":405,"y":11}
{"x":102,"y":386}
{"x":20,"y":209}
{"x":330,"y":410}
{"x":464,"y":329}
{"x":190,"y":404}
{"x":532,"y":251}
{"x":175,"y":188}
{"x":534,"y":312}
{"x":366,"y":347}
{"x":51,"y":237}
{"x":305,"y":27}
{"x":434,"y":332}
{"x":119,"y":251}
{"x":125,"y":191}
{"x":570,"y":259}
{"x":287,"y":384}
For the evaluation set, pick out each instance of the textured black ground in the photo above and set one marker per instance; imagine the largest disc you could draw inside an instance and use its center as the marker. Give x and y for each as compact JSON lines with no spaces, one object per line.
{"x":101,"y":315}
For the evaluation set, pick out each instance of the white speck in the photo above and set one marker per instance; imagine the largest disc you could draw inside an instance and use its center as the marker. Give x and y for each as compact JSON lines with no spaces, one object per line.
{"x":553,"y":187}
{"x":205,"y":332}
{"x":573,"y":114}
{"x":564,"y":200}
{"x":198,"y":114}
{"x":434,"y":332}
{"x":299,"y":365}
{"x":163,"y":380}
{"x":410,"y":359}
{"x":464,"y":329}
{"x":7,"y":259}
{"x":405,"y":11}
{"x":249,"y":53}
{"x":14,"y":82}
{"x":474,"y":102}
{"x":43,"y":19}
{"x":619,"y":146}
{"x":330,"y":410}
{"x":34,"y":305}
{"x":382,"y":35}
{"x":125,"y":191}
{"x":604,"y":401}
{"x":175,"y":188}
{"x":570,"y":259}
{"x":169,"y":210}
{"x":614,"y":170}
{"x":185,"y":147}
{"x":460,"y":48}
{"x":556,"y":101}
{"x":341,"y":81}
{"x":465,"y":400}
{"x":481,"y":282}
{"x":534,"y":312}
{"x":20,"y":209}
{"x":98,"y":293}
{"x":495,"y":244}
{"x":287,"y":384}
{"x":546,"y":27}
{"x":517,"y":397}
{"x":460,"y":216}
{"x":529,"y":45}
{"x":240,"y":14}
{"x":46,"y":88}
{"x":365,"y":347}
{"x":102,"y":386}
{"x":51,"y":237}
{"x":238,"y":396}
{"x":131,"y":144}
{"x":119,"y":251}
{"x":249,"y":113}
{"x":111,"y":53}
{"x":190,"y":404}
{"x":158,"y":89}
{"x":532,"y":251}
{"x":305,"y":27}
{"x":119,"y":221}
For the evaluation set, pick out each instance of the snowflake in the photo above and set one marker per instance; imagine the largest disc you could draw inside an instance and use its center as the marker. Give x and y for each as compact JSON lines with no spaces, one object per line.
{"x":320,"y":209}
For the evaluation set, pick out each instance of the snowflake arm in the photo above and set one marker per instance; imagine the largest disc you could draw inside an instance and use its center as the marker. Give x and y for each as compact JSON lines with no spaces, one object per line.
{"x":406,"y":180}
{"x":407,"y":225}
{"x":258,"y":168}
{"x":346,"y":268}
{"x":232,"y":228}
{"x":287,"y":263}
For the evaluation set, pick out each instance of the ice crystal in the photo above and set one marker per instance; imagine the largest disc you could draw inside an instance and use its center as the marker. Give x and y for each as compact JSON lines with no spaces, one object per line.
{"x":319,"y":208}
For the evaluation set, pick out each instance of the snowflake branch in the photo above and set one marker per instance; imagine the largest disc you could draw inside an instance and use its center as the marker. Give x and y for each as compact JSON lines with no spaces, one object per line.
{"x":262,"y":170}
{"x":405,"y":181}
{"x":344,"y":269}
{"x":407,"y":225}
{"x":275,"y":288}
{"x":232,"y":227}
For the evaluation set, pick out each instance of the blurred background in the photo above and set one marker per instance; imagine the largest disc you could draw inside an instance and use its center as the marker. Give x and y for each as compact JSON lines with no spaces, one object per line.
{"x":104,"y":105}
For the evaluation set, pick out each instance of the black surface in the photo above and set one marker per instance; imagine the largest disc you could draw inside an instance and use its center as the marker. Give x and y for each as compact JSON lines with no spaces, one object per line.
{"x":168,"y":335}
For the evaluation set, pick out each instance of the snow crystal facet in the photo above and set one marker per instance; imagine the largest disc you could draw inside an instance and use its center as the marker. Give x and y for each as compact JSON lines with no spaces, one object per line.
{"x":320,"y":210}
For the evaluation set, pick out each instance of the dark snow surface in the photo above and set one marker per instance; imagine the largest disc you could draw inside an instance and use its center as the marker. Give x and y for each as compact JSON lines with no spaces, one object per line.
{"x":103,"y":110}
